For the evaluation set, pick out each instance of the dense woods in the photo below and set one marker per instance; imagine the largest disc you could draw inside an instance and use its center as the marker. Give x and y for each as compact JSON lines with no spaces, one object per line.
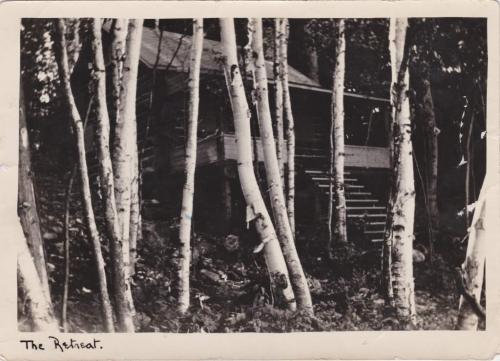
{"x":263,"y":175}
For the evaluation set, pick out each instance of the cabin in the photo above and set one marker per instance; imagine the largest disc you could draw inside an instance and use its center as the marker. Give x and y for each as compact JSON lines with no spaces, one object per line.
{"x":162,"y":106}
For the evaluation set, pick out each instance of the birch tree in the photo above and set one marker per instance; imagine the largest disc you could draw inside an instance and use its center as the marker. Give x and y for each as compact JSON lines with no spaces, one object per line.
{"x":386,"y":281}
{"x":119,"y":36}
{"x":256,"y":208}
{"x":278,"y":93}
{"x":337,"y":150}
{"x":39,"y":306}
{"x":27,"y":208}
{"x":135,"y":210}
{"x":274,"y":180}
{"x":123,"y":159}
{"x":31,"y":266}
{"x":401,"y":212}
{"x":66,"y":230}
{"x":473,"y":268}
{"x":190,"y":166}
{"x":76,"y":122}
{"x":106,"y":169}
{"x":290,"y":124}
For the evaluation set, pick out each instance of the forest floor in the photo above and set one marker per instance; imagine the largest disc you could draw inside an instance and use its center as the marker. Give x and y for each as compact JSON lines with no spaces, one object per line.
{"x":229,"y":283}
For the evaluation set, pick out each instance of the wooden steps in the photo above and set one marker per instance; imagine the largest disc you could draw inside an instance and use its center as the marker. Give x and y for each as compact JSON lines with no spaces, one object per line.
{"x":363,"y":208}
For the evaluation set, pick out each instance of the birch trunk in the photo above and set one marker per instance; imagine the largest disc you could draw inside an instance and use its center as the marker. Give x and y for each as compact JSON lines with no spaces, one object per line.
{"x":124,"y":156}
{"x":75,"y":46}
{"x":119,"y":32}
{"x":256,"y":209}
{"x":387,"y":244}
{"x":27,"y":208}
{"x":338,"y":134}
{"x":67,"y":206}
{"x":290,"y":124}
{"x":190,"y":167}
{"x":62,"y":60}
{"x":274,"y":181}
{"x":121,"y":279}
{"x":40,"y":308}
{"x":135,"y":209}
{"x":474,"y":265}
{"x":103,"y":133}
{"x":106,"y":175}
{"x":278,"y":94}
{"x":402,"y":210}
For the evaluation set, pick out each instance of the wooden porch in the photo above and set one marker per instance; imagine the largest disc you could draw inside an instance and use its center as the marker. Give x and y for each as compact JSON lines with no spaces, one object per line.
{"x":222,"y":147}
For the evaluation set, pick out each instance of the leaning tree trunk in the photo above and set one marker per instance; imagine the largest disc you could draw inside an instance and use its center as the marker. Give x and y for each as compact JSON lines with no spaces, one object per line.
{"x":62,"y":60}
{"x":474,"y":265}
{"x":256,"y":208}
{"x":274,"y":181}
{"x":26,"y":200}
{"x":190,"y":167}
{"x":39,"y":306}
{"x":67,"y":206}
{"x":290,"y":124}
{"x":402,"y":210}
{"x":338,"y":134}
{"x":124,"y":155}
{"x":278,"y":94}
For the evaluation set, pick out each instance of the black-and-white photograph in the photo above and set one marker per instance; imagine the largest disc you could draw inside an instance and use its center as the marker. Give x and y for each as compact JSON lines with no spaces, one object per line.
{"x":227,"y":175}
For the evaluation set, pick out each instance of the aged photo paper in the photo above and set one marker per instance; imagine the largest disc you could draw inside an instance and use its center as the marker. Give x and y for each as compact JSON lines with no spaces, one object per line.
{"x":249,"y":180}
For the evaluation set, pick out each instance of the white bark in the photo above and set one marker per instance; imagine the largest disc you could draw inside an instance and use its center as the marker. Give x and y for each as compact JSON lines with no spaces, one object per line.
{"x":119,"y":36}
{"x":278,"y":93}
{"x":474,"y":265}
{"x":27,"y":207}
{"x":135,"y":210}
{"x":290,"y":124}
{"x":106,"y":172}
{"x":190,"y":167}
{"x":31,"y":259}
{"x":40,"y":308}
{"x":402,"y":210}
{"x":124,"y":154}
{"x":274,"y":181}
{"x":387,"y":245}
{"x":256,"y":209}
{"x":62,"y":60}
{"x":338,"y":134}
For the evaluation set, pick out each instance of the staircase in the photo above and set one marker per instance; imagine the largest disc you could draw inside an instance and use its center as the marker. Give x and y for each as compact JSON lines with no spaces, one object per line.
{"x":366,"y":213}
{"x":363,"y":208}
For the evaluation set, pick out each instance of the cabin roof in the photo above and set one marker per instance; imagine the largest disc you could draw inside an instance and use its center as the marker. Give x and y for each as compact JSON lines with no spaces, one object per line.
{"x":175,"y":48}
